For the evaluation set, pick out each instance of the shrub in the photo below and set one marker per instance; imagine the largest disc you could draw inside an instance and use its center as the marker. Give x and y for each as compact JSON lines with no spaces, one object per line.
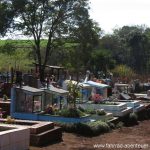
{"x":101,"y":112}
{"x":5,"y":98}
{"x":143,"y":115}
{"x":10,"y":120}
{"x":91,"y":111}
{"x":133,"y":119}
{"x":86,"y":129}
{"x":119,"y":125}
{"x":111,"y":125}
{"x":71,"y":127}
{"x":71,"y":112}
{"x":99,"y":127}
{"x":81,"y":109}
{"x":123,"y":71}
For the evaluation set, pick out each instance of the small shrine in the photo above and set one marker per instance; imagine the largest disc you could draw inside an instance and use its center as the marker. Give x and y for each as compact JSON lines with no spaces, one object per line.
{"x":29,"y":103}
{"x":27,"y":99}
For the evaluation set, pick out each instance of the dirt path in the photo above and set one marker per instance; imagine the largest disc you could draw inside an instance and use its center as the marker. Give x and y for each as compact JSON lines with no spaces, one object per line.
{"x":126,"y":138}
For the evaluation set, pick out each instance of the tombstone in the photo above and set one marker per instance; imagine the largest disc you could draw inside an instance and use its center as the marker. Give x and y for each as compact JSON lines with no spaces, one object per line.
{"x":124,"y":96}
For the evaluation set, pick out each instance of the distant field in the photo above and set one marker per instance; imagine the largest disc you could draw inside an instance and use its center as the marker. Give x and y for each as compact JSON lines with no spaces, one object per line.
{"x":28,"y":43}
{"x":21,"y":43}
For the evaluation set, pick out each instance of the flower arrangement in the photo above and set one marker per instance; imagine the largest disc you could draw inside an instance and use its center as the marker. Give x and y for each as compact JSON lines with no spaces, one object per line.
{"x":10,"y":120}
{"x":51,"y":109}
{"x":96,"y":98}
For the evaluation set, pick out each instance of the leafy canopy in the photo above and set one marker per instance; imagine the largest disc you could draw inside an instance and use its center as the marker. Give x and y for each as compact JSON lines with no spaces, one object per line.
{"x":6,"y":16}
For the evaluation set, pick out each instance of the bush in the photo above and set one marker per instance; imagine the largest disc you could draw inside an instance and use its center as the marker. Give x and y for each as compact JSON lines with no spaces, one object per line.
{"x":5,"y":98}
{"x":10,"y":120}
{"x":91,"y":111}
{"x":68,"y":127}
{"x":111,"y":125}
{"x":86,"y":129}
{"x":133,"y":119}
{"x":81,"y":109}
{"x":71,"y":112}
{"x":101,"y":112}
{"x":99,"y":127}
{"x":119,"y":125}
{"x":123,"y":71}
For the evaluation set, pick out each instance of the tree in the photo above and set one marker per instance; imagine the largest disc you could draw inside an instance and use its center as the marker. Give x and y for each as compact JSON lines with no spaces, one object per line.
{"x":133,"y":47}
{"x":137,"y":40}
{"x":86,"y":33}
{"x":101,"y":60}
{"x":12,"y":56}
{"x":46,"y":19}
{"x":8,"y":48}
{"x":124,"y":72}
{"x":6,"y":16}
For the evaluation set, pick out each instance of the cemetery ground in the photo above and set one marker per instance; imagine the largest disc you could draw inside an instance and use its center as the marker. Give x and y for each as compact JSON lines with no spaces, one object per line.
{"x":131,"y":138}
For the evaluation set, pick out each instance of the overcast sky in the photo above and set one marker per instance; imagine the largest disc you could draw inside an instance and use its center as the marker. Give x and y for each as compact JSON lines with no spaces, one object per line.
{"x":117,"y":13}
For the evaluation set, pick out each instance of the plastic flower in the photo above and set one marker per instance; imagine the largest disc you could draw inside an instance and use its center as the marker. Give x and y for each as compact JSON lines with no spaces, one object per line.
{"x":96,"y":98}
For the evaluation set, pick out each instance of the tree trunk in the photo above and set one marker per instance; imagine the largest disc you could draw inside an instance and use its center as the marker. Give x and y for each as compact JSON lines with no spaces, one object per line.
{"x":42,"y":74}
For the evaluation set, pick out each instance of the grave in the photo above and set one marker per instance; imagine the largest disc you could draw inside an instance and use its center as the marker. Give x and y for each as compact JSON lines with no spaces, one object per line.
{"x":106,"y":117}
{"x":41,"y":133}
{"x":141,"y":96}
{"x":119,"y":87}
{"x":29,"y":104}
{"x":54,"y":96}
{"x":14,"y":137}
{"x":135,"y":104}
{"x":119,"y":109}
{"x":27,"y":100}
{"x":124,"y":96}
{"x":99,"y":88}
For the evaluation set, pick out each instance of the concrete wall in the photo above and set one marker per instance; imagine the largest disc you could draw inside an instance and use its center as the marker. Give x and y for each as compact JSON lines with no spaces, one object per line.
{"x":15,"y":139}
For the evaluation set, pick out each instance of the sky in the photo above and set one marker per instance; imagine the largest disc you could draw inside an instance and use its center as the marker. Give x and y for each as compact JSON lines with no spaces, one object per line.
{"x":111,"y":14}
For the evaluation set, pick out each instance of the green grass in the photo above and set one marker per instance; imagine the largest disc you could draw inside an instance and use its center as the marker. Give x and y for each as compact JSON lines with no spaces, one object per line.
{"x":28,"y":43}
{"x":21,"y":43}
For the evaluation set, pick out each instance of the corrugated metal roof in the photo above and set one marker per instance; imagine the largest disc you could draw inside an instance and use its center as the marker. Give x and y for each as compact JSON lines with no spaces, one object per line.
{"x":52,"y":89}
{"x":95,"y":84}
{"x":31,"y":89}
